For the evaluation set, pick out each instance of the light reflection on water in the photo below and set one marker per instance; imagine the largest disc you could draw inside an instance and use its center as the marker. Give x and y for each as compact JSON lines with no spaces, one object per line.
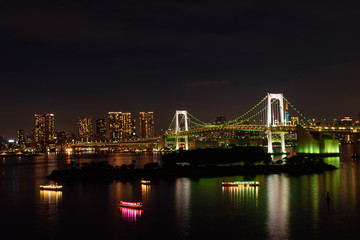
{"x":278,"y":206}
{"x":130,"y":215}
{"x":146,"y":191}
{"x":49,"y":197}
{"x":182,"y":206}
{"x":281,"y":208}
{"x":241,"y":193}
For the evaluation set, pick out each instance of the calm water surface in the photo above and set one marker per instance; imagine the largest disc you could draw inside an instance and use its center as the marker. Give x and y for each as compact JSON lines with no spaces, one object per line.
{"x":283,"y":207}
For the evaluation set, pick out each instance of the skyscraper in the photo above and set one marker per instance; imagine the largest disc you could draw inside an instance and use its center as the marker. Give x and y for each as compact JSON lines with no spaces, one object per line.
{"x":44,"y":130}
{"x":146,"y":124}
{"x":220,"y":119}
{"x":133,"y":129}
{"x":21,"y":138}
{"x":84,"y":127}
{"x":119,"y":126}
{"x":101,"y":129}
{"x":61,"y":137}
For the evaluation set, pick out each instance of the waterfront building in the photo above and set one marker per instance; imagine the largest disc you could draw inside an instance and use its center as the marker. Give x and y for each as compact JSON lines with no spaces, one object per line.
{"x":30,"y":139}
{"x":146,"y":124}
{"x":346,"y":121}
{"x":133,"y":129}
{"x":44,"y":130}
{"x":100,"y":129}
{"x":21,"y":138}
{"x":220,"y":119}
{"x":295,"y":120}
{"x":84,"y":127}
{"x":61,"y":137}
{"x":222,"y":134}
{"x":119,"y":126}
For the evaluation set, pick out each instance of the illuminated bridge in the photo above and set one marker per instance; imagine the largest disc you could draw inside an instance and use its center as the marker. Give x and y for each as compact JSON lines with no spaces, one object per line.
{"x":271,"y":115}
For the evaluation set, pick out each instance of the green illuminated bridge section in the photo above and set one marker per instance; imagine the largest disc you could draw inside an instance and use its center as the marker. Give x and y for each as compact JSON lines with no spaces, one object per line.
{"x":286,"y":128}
{"x":245,"y":127}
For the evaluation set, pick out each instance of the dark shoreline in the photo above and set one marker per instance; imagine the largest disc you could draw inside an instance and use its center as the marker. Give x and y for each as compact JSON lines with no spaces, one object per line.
{"x":206,"y":171}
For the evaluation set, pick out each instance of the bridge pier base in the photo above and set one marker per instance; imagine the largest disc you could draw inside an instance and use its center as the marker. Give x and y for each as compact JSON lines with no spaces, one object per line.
{"x":270,"y":142}
{"x":182,"y":142}
{"x":270,"y":148}
{"x":316,"y":143}
{"x":282,"y":142}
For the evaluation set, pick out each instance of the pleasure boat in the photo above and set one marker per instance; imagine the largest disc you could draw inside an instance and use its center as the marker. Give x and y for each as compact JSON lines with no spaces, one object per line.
{"x":136,"y":205}
{"x":51,"y":187}
{"x":240,"y":183}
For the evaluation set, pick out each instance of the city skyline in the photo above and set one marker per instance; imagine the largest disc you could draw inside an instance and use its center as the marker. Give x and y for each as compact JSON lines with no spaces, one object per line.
{"x":73,"y":127}
{"x":210,"y":58}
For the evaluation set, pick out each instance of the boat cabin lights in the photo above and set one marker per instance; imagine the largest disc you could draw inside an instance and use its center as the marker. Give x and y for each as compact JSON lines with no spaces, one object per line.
{"x":130,"y":203}
{"x":145,"y":181}
{"x":51,"y":187}
{"x":240,"y":183}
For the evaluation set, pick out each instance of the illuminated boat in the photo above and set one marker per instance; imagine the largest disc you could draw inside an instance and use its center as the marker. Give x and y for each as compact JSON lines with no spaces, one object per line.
{"x":136,"y":205}
{"x":240,"y":183}
{"x":145,"y":182}
{"x":51,"y":187}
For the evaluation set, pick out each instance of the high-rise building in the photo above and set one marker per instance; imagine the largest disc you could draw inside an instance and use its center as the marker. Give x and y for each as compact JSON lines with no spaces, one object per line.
{"x":222,"y":134}
{"x":287,"y":115}
{"x":295,"y":120}
{"x":345,"y":121}
{"x":44,"y":130}
{"x":84,"y":127}
{"x":220,"y":119}
{"x":61,"y":137}
{"x":133,"y":129}
{"x":21,"y":138}
{"x":146,"y":124}
{"x":101,"y":129}
{"x":119,"y":126}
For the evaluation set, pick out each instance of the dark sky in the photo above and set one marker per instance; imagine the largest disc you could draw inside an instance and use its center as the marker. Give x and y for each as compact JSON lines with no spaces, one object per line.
{"x":86,"y":58}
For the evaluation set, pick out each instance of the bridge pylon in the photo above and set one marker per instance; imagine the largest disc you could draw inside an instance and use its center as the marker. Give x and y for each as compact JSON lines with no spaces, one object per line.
{"x":181,"y":140}
{"x":272,"y":121}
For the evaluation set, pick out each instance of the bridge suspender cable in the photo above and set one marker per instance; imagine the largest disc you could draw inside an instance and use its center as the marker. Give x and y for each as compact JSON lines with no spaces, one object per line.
{"x":251,"y":109}
{"x":169,"y":128}
{"x":239,"y":120}
{"x":198,"y":120}
{"x":309,"y":121}
{"x":236,"y":120}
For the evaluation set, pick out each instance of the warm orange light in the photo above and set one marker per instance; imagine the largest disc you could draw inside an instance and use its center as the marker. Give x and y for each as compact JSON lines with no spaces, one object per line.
{"x":51,"y":187}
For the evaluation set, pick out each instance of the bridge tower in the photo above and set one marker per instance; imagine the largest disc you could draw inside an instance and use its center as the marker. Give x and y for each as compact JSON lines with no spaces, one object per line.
{"x":271,"y":121}
{"x":181,"y":140}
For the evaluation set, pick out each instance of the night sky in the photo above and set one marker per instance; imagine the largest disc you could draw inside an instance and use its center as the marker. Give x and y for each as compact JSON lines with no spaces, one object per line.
{"x":86,"y":58}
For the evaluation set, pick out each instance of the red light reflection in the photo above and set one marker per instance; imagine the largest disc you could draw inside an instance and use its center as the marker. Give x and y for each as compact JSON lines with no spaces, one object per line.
{"x":130,"y":215}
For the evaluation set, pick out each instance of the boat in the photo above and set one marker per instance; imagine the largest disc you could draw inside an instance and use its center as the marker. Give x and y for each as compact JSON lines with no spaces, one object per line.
{"x":240,"y":183}
{"x":136,"y":205}
{"x":51,"y":187}
{"x":145,"y":182}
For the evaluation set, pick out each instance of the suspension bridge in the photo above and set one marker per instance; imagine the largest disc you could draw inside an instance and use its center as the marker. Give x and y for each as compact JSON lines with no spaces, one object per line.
{"x":273,"y":116}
